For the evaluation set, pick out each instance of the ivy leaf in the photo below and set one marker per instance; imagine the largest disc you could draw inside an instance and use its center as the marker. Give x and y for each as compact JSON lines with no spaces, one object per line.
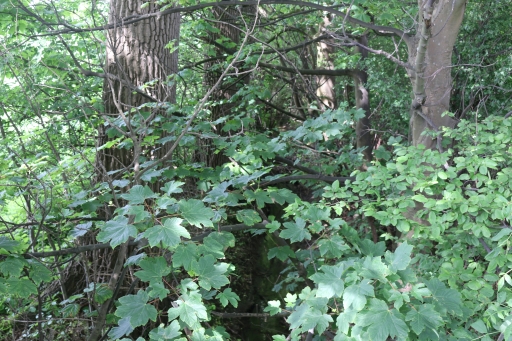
{"x":135,"y":308}
{"x":190,"y":310}
{"x":8,"y":244}
{"x":210,"y":274}
{"x":116,"y":231}
{"x":444,"y":298}
{"x":12,"y":266}
{"x":295,"y":232}
{"x":423,"y":317}
{"x":228,"y":296}
{"x":383,"y":322}
{"x":124,"y":328}
{"x":329,"y":281}
{"x":138,"y":194}
{"x":168,"y":333}
{"x":196,"y":213}
{"x":153,"y":269}
{"x":355,"y":295}
{"x":184,"y":255}
{"x":168,"y":234}
{"x":401,"y":257}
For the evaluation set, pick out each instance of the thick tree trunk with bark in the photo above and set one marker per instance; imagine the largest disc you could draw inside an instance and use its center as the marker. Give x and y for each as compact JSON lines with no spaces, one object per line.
{"x":137,"y":54}
{"x":432,"y":59}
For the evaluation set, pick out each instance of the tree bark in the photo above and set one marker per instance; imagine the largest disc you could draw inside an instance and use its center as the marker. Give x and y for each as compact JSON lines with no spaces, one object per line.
{"x":432,"y":57}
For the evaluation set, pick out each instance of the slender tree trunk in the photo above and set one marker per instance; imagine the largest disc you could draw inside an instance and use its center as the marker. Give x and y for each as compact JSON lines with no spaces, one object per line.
{"x":326,"y":91}
{"x":364,"y":137}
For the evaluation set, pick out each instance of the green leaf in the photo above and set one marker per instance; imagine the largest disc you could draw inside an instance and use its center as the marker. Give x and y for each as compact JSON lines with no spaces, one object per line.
{"x":196,"y":213}
{"x":8,"y":244}
{"x":332,"y":247}
{"x":158,"y":290}
{"x":21,"y":287}
{"x":354,"y":296}
{"x":401,"y":257}
{"x":210,"y":275}
{"x":281,"y":252}
{"x":248,"y":217}
{"x":383,"y":322}
{"x":12,"y":266}
{"x":274,"y":307}
{"x":261,"y":197}
{"x":373,"y":268}
{"x":136,"y":308}
{"x":329,"y":281}
{"x":172,"y":187}
{"x":169,"y":234}
{"x":190,"y":310}
{"x":116,"y":231}
{"x":424,"y":317}
{"x":138,"y":194}
{"x":444,"y":298}
{"x":153,"y":269}
{"x":228,"y":296}
{"x":70,"y":310}
{"x":295,"y":232}
{"x":168,"y":333}
{"x":184,"y":255}
{"x":124,"y":328}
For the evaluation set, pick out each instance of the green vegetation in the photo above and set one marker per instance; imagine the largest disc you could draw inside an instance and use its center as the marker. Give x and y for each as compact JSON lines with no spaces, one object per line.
{"x":272,"y":170}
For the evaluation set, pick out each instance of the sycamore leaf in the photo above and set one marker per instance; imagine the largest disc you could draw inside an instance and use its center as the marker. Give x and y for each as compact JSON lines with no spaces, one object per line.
{"x":281,"y":252}
{"x":444,"y":298}
{"x":329,"y":281}
{"x":373,"y":268}
{"x":168,"y":234}
{"x":117,"y":231}
{"x":313,"y":318}
{"x":354,"y":296}
{"x":184,"y":255}
{"x":124,"y":328}
{"x":135,"y":308}
{"x":196,"y":213}
{"x":248,"y":217}
{"x":228,"y":296}
{"x":168,"y":333}
{"x":274,"y":307}
{"x":137,"y":211}
{"x":138,"y":194}
{"x":332,"y":247}
{"x":190,"y":309}
{"x":8,"y":244}
{"x":172,"y":187}
{"x":12,"y":266}
{"x":153,"y":269}
{"x":210,"y":275}
{"x":383,"y":322}
{"x":21,"y":287}
{"x":260,"y":196}
{"x":282,"y":195}
{"x":401,"y":257}
{"x":423,"y":317}
{"x":158,"y":290}
{"x":295,"y":232}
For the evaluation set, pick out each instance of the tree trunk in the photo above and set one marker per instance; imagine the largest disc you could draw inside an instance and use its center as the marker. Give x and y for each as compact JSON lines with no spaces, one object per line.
{"x":432,"y":57}
{"x":136,"y":54}
{"x":326,"y":84}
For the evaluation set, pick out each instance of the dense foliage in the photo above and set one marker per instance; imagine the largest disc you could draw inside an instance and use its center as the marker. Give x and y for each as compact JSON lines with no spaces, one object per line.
{"x":264,"y":219}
